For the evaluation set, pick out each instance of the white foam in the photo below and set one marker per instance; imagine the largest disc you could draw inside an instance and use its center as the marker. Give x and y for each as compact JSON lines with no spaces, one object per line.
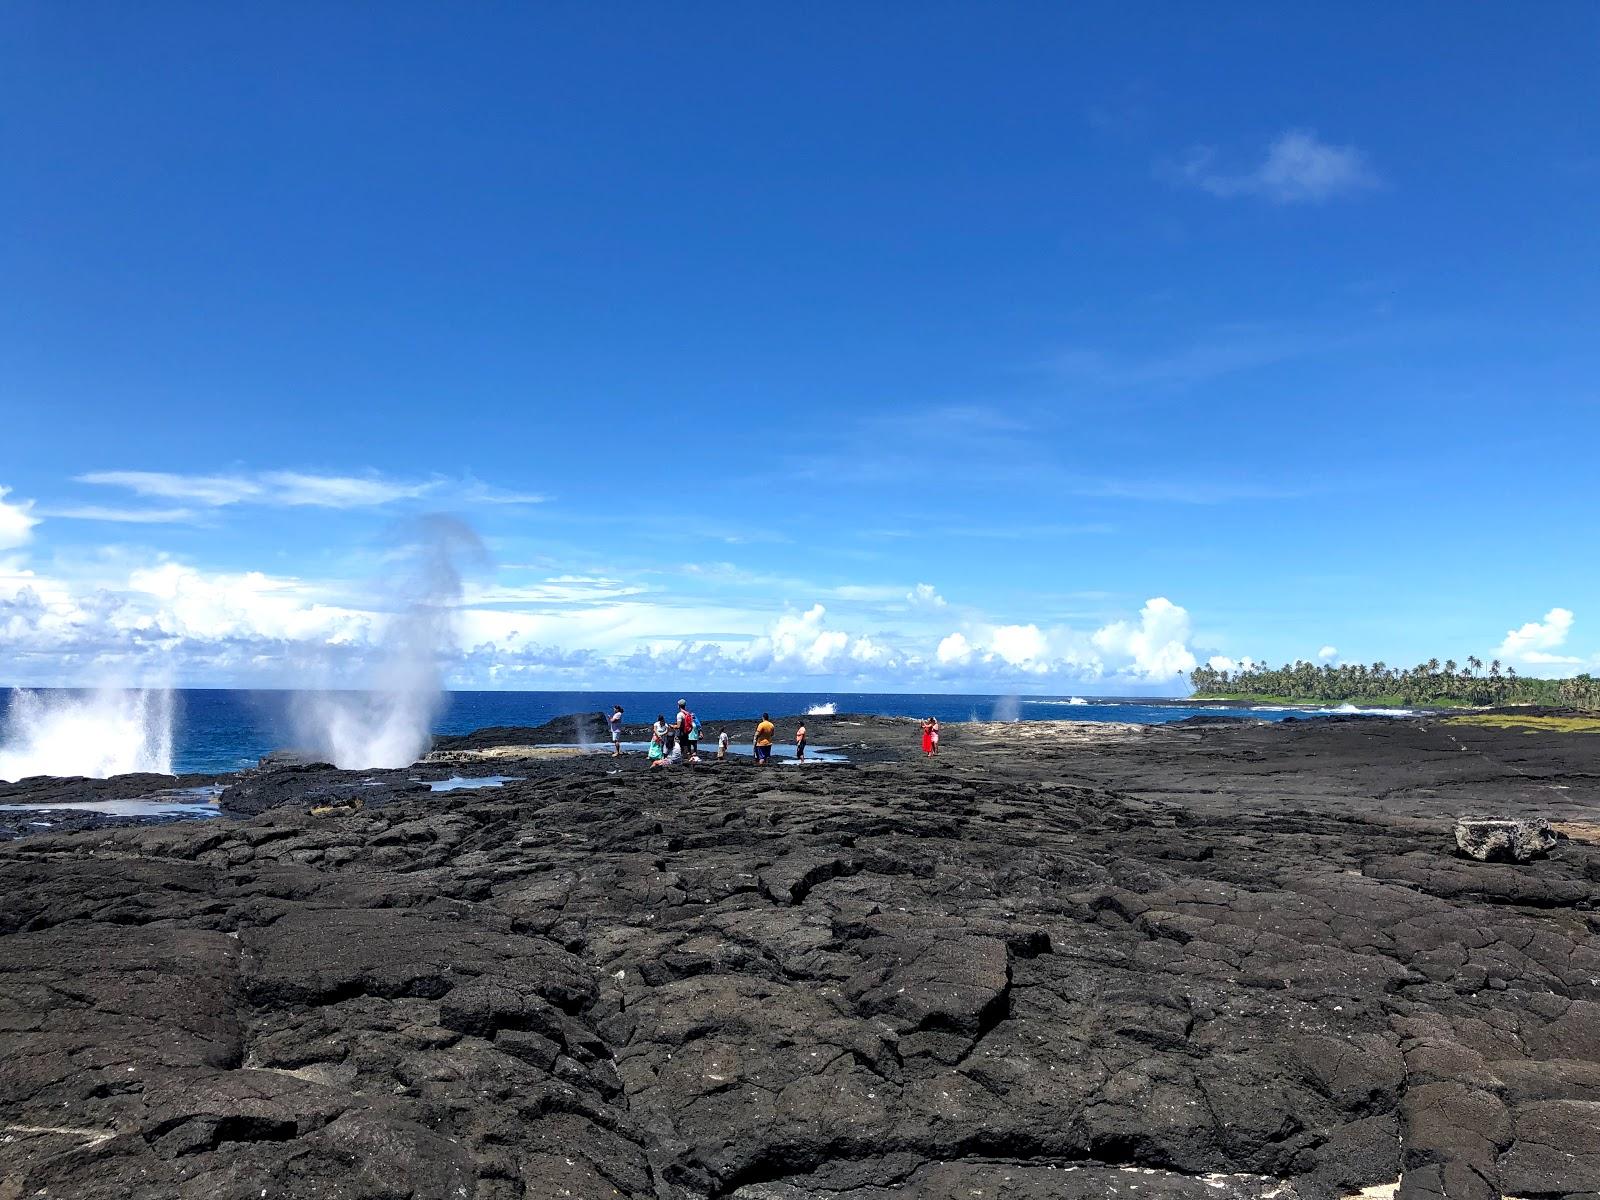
{"x":95,"y":734}
{"x":822,"y":710}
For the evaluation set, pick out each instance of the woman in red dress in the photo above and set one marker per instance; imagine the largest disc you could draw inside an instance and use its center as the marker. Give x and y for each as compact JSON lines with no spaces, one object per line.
{"x":927,"y":735}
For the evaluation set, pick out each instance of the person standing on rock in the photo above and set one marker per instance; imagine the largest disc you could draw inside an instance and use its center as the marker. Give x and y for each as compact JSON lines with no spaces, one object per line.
{"x":685,"y":730}
{"x":933,"y":735}
{"x":616,"y":730}
{"x":722,"y":745}
{"x":694,"y":739}
{"x":764,"y":732}
{"x":927,"y":735}
{"x":800,"y":743}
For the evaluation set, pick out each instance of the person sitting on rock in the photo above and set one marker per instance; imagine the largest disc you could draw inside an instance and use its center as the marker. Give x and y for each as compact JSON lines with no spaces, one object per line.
{"x":658,"y":752}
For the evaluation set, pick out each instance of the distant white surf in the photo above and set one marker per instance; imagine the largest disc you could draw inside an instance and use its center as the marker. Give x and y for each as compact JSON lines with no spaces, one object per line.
{"x":823,"y":710}
{"x":1344,"y":710}
{"x":107,"y":732}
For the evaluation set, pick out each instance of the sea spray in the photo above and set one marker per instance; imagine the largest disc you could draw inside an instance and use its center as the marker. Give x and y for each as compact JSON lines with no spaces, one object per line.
{"x":828,"y":709}
{"x":109,"y":731}
{"x":390,"y":722}
{"x":1007,"y":709}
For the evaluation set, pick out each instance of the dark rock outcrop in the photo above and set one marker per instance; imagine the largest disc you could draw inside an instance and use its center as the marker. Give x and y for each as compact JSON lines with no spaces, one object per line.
{"x":1497,"y":839}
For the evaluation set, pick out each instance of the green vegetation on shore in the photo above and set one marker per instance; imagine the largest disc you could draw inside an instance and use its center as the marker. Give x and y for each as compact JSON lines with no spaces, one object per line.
{"x":1379,"y":685}
{"x":1528,"y":722}
{"x":1387,"y":701}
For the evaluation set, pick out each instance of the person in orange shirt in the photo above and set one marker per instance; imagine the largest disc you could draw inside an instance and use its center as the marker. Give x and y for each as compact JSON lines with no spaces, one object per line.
{"x":764,"y":732}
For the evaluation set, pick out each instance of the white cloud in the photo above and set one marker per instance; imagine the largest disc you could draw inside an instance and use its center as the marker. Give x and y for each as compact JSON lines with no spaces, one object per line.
{"x":1298,"y":167}
{"x":16,"y":521}
{"x":954,"y":649}
{"x":1532,"y":644}
{"x":1157,"y":645}
{"x":924,"y":595}
{"x":1021,"y":646}
{"x":112,"y":618}
{"x":1328,"y":652}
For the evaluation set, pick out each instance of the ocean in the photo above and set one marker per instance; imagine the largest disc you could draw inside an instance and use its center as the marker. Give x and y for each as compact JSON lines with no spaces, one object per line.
{"x":218,"y":730}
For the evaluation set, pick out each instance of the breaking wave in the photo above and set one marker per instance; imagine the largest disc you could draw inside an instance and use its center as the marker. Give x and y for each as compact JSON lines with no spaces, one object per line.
{"x":823,"y":710}
{"x":110,"y":731}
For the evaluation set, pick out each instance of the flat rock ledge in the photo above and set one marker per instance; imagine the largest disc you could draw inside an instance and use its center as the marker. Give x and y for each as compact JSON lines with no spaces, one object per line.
{"x":1231,"y":962}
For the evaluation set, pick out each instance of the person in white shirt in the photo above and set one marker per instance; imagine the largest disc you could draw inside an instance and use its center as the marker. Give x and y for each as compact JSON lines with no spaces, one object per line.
{"x":616,"y":730}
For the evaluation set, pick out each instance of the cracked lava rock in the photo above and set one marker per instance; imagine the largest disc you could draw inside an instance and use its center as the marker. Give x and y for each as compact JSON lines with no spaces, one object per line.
{"x":1226,"y":960}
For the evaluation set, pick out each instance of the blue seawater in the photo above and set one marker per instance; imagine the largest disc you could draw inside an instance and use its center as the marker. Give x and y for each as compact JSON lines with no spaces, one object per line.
{"x":225,"y":730}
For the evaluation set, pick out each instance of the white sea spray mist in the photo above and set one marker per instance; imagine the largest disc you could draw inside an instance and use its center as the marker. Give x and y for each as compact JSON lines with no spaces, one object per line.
{"x":1007,"y":709}
{"x":388,"y":722}
{"x":98,"y":733}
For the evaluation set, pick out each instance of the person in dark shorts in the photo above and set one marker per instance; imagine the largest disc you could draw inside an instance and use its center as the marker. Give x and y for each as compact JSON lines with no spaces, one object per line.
{"x":764,"y":732}
{"x":800,"y":743}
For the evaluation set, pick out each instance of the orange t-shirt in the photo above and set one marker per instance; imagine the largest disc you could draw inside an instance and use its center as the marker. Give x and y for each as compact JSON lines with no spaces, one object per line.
{"x":764,"y":732}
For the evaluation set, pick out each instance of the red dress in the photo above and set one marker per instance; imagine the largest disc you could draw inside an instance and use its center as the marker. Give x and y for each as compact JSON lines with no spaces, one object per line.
{"x":927,"y":738}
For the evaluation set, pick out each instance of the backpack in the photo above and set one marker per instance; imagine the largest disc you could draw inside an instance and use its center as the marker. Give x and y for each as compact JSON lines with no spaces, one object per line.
{"x":686,"y":720}
{"x":694,"y":730}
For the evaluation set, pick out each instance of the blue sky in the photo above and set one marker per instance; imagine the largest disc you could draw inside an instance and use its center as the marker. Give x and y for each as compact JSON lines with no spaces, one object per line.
{"x":929,"y":347}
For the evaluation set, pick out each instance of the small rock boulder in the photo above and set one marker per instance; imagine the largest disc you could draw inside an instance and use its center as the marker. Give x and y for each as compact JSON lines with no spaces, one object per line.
{"x":1494,"y":839}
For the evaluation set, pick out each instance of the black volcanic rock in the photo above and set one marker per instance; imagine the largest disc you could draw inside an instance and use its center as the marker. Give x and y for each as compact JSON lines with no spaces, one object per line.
{"x":1211,"y":961}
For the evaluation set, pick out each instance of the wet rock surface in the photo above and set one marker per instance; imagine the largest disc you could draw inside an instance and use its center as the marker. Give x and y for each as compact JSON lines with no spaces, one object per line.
{"x":1222,"y":961}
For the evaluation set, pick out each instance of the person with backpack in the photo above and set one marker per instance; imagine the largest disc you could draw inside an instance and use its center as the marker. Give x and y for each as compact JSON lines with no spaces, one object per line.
{"x":694,"y":739}
{"x":684,"y":727}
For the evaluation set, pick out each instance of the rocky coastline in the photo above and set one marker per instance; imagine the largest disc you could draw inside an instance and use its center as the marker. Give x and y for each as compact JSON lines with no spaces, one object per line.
{"x":1223,"y":959}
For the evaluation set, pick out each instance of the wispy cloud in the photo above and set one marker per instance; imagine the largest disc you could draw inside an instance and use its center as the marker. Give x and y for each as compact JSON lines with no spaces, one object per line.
{"x":475,"y":491}
{"x":125,"y":516}
{"x":289,"y":489}
{"x":1213,"y":355}
{"x":1298,"y":168}
{"x":296,"y":488}
{"x":211,"y":490}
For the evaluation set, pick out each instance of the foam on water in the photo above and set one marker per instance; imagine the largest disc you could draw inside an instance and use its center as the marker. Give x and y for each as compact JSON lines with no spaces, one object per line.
{"x":823,"y":710}
{"x":96,"y":734}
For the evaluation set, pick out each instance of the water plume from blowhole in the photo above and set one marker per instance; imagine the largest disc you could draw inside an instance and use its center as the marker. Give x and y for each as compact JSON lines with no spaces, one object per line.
{"x":388,"y":722}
